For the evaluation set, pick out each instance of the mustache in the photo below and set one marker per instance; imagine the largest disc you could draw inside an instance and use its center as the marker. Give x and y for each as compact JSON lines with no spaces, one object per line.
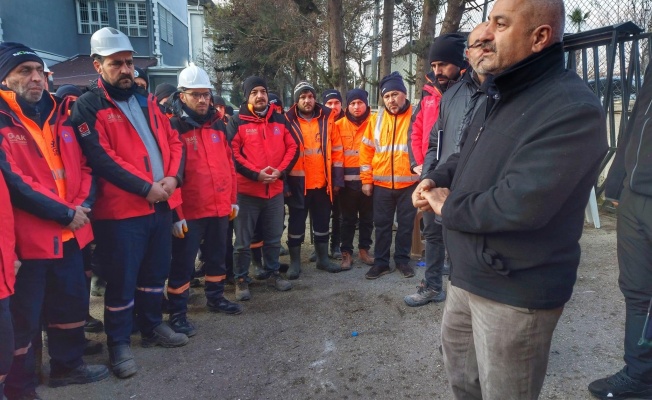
{"x":491,"y":46}
{"x":125,"y":76}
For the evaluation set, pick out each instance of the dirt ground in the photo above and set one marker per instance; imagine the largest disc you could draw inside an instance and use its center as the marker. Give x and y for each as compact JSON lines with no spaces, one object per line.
{"x":299,"y":344}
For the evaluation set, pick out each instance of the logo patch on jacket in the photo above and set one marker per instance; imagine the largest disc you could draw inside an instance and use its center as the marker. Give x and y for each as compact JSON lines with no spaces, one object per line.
{"x":277,"y":131}
{"x":251,"y":131}
{"x":16,"y":138}
{"x":66,"y":136}
{"x":84,"y":130}
{"x":215,"y":138}
{"x":114,"y":118}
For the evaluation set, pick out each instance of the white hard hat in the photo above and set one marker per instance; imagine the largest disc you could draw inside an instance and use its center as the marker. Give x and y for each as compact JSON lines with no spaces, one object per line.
{"x":109,"y":41}
{"x":193,"y":77}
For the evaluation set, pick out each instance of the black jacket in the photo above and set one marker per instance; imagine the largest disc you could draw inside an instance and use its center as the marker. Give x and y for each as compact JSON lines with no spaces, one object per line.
{"x":522,"y":180}
{"x":633,"y":163}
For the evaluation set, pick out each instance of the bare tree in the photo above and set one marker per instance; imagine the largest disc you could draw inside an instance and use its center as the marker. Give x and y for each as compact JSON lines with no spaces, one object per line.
{"x":337,"y":52}
{"x":387,"y":38}
{"x":454,"y":14}
{"x":426,"y":35}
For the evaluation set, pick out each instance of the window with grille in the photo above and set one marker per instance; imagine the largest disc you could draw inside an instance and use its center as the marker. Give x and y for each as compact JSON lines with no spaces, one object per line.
{"x":165,"y":22}
{"x":92,"y":15}
{"x":132,"y":18}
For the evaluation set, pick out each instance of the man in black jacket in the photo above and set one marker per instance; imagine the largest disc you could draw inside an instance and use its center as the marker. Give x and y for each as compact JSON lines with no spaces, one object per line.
{"x":629,"y":183}
{"x":515,"y":210}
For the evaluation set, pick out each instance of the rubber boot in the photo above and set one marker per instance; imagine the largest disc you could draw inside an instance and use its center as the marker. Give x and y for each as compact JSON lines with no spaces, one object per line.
{"x":323,"y":262}
{"x":295,"y":263}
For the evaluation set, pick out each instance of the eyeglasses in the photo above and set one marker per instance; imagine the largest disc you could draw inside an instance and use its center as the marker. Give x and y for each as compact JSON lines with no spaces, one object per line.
{"x":197,"y":96}
{"x":475,"y":45}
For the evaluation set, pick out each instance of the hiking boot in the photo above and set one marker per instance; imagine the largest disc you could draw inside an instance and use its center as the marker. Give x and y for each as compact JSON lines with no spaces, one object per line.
{"x":277,"y":281}
{"x":224,"y":306}
{"x":323,"y":262}
{"x":295,"y":263}
{"x":122,"y":361}
{"x":93,"y":325}
{"x":313,"y":256}
{"x":335,"y":252}
{"x":620,"y":386}
{"x":78,"y":376}
{"x":242,"y":290}
{"x":164,"y":336}
{"x":365,"y":257}
{"x":347,"y":261}
{"x":91,"y":347}
{"x":424,"y":295}
{"x":377,"y":271}
{"x":180,"y":324}
{"x":406,"y":270}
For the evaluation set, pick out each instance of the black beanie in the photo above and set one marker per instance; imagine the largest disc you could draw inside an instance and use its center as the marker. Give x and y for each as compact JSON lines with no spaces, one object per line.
{"x":140,"y":73}
{"x":250,"y":83}
{"x":219,"y":100}
{"x":12,"y":55}
{"x":302,"y":87}
{"x":448,"y":48}
{"x":274,"y":99}
{"x":393,"y":81}
{"x":68,"y":90}
{"x":331,"y":94}
{"x":164,"y":90}
{"x":357,"y":94}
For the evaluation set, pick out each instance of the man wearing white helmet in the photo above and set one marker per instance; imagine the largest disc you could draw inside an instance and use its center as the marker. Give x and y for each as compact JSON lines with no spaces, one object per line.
{"x":209,"y":200}
{"x":138,"y":160}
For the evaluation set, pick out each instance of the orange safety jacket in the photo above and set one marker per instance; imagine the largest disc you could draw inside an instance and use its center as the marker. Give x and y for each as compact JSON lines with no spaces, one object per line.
{"x":351,"y":135}
{"x":384,"y":155}
{"x":330,"y":152}
{"x":7,"y":243}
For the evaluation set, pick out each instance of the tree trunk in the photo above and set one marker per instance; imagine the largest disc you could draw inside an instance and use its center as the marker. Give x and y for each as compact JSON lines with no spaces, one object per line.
{"x":453,"y":16}
{"x":336,"y":35}
{"x":387,"y":38}
{"x":426,"y":35}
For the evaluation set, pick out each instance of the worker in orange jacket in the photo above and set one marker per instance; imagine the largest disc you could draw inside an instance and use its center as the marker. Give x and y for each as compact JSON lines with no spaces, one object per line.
{"x":386,"y":175}
{"x":316,"y":175}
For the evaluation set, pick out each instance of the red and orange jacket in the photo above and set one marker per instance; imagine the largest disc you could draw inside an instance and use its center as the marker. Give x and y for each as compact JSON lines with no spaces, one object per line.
{"x":118,"y":156}
{"x":258,"y":143}
{"x":39,"y":213}
{"x":331,"y":152}
{"x":424,"y":119}
{"x":209,"y":186}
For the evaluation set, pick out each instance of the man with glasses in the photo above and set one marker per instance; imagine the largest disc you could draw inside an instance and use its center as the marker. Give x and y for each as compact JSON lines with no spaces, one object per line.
{"x":317,"y":175}
{"x":209,"y":198}
{"x":137,"y":159}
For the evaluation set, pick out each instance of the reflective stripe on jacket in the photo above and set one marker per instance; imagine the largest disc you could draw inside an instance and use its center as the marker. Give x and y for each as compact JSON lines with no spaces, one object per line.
{"x":384,"y":159}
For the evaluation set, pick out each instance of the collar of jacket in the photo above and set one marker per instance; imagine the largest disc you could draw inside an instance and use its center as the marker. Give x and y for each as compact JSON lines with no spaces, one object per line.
{"x":39,"y":112}
{"x":117,"y":93}
{"x":246,"y":115}
{"x":196,"y":120}
{"x":532,"y":69}
{"x":358,"y":120}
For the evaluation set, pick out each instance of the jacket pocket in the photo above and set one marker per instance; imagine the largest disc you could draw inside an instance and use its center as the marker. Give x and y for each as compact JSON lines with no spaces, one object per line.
{"x":490,"y":257}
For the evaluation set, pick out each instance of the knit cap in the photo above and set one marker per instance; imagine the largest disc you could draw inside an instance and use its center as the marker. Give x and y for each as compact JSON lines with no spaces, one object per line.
{"x":13,"y":54}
